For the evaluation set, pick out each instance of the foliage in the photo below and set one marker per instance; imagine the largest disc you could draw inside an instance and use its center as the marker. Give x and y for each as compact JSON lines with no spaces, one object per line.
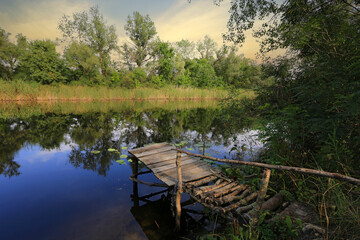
{"x":185,"y":48}
{"x":83,"y":62}
{"x":164,"y":55}
{"x":41,"y":63}
{"x":141,"y":30}
{"x":237,"y":71}
{"x":91,"y":29}
{"x":10,"y":54}
{"x":206,"y":48}
{"x":202,"y":73}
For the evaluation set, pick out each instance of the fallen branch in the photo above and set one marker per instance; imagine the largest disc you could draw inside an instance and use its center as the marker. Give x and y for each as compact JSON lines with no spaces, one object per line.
{"x":320,"y":173}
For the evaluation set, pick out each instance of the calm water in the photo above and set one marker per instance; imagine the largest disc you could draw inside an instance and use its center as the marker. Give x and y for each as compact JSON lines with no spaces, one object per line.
{"x":54,"y":186}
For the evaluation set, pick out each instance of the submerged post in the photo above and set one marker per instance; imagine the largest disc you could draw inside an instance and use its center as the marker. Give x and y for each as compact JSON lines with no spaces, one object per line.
{"x":178,"y":191}
{"x":260,"y":198}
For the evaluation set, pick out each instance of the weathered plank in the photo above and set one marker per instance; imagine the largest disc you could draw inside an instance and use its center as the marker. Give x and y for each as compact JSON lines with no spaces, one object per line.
{"x":148,"y":148}
{"x":160,"y":158}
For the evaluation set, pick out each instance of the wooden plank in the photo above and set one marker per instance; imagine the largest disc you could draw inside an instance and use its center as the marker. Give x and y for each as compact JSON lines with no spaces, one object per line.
{"x":184,"y":161}
{"x":193,"y":167}
{"x":162,"y":166}
{"x":167,"y":162}
{"x":160,"y":157}
{"x":154,"y":151}
{"x":147,"y":148}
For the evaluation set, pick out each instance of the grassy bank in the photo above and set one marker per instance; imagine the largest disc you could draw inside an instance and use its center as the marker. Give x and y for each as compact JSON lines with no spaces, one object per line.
{"x":27,"y":109}
{"x":22,"y":91}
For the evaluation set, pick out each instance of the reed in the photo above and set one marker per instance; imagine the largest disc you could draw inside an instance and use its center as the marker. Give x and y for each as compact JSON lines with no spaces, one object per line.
{"x":24,"y":91}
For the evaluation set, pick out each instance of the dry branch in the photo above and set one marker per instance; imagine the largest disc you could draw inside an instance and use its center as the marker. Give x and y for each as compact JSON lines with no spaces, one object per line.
{"x":320,"y":173}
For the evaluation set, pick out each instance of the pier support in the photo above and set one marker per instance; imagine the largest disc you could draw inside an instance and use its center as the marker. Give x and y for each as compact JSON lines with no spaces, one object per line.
{"x":179,"y":191}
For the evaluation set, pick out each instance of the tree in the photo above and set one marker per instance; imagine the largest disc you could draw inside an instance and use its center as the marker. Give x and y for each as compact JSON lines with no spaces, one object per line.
{"x":206,"y":48}
{"x":82,"y":60}
{"x":90,"y":28}
{"x":141,"y":30}
{"x":10,"y":53}
{"x":41,"y":63}
{"x":185,"y":48}
{"x":164,"y":56}
{"x":202,"y":73}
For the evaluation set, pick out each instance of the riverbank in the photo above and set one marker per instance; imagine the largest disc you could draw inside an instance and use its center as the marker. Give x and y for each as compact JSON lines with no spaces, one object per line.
{"x":22,"y":91}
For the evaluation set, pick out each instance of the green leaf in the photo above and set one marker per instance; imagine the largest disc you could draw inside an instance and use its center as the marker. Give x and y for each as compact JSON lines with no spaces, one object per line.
{"x":129,"y":160}
{"x":190,"y":149}
{"x":95,"y":152}
{"x":123,"y":156}
{"x":120,"y":161}
{"x":288,"y":222}
{"x":124,"y":148}
{"x":111,"y":150}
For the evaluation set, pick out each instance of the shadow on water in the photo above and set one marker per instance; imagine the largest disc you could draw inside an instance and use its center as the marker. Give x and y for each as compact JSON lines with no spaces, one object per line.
{"x":65,"y":159}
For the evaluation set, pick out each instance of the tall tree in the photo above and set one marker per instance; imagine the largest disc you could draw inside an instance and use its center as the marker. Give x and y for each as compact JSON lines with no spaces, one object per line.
{"x":91,"y":28}
{"x":185,"y":48}
{"x":141,"y":30}
{"x":82,"y":60}
{"x":10,"y":53}
{"x":41,"y":63}
{"x":207,"y":48}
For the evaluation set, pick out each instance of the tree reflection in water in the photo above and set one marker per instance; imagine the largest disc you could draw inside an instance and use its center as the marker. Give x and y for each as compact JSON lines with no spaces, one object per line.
{"x":101,"y":130}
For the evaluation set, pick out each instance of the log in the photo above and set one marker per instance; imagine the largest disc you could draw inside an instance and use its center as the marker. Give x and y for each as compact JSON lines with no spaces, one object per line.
{"x":208,"y":188}
{"x":224,"y":190}
{"x":242,"y":202}
{"x":261,"y":196}
{"x":272,"y":203}
{"x":308,"y":171}
{"x":246,"y":208}
{"x":211,"y":188}
{"x":200,"y":182}
{"x":228,"y":198}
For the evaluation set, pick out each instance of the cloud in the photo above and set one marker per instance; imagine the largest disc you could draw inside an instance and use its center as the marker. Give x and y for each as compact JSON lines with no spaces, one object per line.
{"x":194,"y":21}
{"x":37,"y":19}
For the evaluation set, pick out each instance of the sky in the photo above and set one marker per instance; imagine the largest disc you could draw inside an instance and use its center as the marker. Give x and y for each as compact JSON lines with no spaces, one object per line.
{"x":174,"y":19}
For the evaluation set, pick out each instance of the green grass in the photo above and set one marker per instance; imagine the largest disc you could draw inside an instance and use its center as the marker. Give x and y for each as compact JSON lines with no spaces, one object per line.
{"x":27,"y":109}
{"x":24,"y":91}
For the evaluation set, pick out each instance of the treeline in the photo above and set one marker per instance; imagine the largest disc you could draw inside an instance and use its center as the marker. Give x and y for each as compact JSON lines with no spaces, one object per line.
{"x":92,"y":56}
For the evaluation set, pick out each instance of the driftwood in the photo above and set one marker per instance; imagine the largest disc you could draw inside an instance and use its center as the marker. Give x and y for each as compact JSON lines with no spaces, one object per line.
{"x":320,"y":173}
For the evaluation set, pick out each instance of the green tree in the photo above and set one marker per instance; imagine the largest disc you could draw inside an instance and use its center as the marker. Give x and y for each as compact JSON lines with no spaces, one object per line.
{"x":141,"y":30}
{"x":164,"y":56}
{"x":207,"y":48}
{"x":91,"y":28}
{"x":10,"y":54}
{"x":202,"y":73}
{"x":83,"y":62}
{"x":41,"y":63}
{"x":185,"y":48}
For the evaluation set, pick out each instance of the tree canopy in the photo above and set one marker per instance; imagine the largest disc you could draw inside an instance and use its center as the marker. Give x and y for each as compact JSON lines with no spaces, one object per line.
{"x":91,"y":28}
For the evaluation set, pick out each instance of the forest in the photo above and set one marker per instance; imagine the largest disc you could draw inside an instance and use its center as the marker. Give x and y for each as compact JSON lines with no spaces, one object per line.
{"x":92,"y":56}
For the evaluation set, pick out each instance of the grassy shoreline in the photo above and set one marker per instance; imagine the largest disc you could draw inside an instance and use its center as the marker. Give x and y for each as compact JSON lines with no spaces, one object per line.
{"x":22,"y":91}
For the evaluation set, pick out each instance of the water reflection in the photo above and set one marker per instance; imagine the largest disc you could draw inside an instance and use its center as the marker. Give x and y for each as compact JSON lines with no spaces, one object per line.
{"x":99,"y":130}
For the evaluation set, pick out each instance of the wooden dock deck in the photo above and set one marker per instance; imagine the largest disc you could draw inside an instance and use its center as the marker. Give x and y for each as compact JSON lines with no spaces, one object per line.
{"x":201,"y":181}
{"x":160,"y":158}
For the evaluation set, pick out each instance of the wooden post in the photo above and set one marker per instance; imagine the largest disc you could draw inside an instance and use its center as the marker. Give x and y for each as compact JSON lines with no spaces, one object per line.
{"x":135,"y":184}
{"x":260,"y":198}
{"x":178,"y":191}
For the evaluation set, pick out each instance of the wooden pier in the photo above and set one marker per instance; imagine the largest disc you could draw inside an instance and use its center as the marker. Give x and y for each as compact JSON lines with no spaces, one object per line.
{"x":199,"y":179}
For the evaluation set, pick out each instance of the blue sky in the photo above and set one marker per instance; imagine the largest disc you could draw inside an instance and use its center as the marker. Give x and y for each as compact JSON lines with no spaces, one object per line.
{"x":174,"y":19}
